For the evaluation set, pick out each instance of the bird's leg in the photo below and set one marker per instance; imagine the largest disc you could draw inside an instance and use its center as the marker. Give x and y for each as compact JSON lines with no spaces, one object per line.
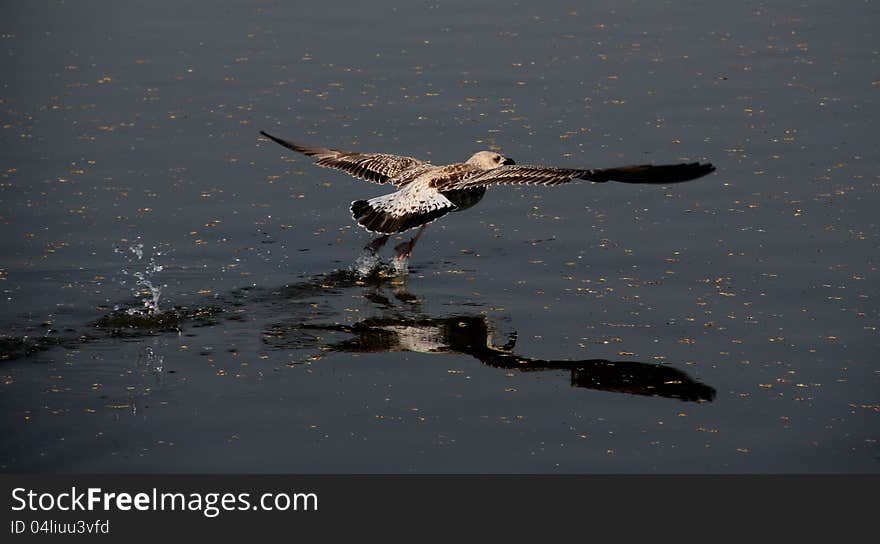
{"x":405,"y":249}
{"x":376,"y":244}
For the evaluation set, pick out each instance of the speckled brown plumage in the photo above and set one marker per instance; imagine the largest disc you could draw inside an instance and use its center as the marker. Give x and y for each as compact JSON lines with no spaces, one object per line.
{"x":426,"y":192}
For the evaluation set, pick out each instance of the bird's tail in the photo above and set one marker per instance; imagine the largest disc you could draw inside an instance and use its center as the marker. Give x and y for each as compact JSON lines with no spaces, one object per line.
{"x":390,"y":214}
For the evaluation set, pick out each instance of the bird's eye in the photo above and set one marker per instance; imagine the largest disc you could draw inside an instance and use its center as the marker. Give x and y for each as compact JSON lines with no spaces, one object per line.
{"x":497,"y":158}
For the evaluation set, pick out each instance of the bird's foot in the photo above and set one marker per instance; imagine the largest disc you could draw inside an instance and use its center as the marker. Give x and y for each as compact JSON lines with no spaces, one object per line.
{"x":374,"y":246}
{"x":401,"y":260}
{"x":404,"y":250}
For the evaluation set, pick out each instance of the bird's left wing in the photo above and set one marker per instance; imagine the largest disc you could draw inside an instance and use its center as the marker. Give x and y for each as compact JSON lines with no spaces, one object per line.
{"x":375,"y":167}
{"x":551,"y":175}
{"x":518,"y":175}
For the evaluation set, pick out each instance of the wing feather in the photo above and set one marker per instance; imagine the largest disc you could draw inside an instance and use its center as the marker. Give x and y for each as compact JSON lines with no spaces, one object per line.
{"x":374,"y":167}
{"x":551,"y":175}
{"x":654,"y":174}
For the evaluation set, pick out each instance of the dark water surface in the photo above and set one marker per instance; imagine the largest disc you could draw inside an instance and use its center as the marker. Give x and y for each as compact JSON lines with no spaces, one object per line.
{"x":724,"y":325}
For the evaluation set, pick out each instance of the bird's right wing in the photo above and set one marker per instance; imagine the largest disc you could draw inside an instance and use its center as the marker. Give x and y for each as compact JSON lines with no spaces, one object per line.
{"x":375,"y":167}
{"x":650,"y":173}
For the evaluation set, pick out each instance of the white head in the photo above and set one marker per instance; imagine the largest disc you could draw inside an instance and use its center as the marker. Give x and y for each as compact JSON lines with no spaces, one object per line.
{"x":488,"y":160}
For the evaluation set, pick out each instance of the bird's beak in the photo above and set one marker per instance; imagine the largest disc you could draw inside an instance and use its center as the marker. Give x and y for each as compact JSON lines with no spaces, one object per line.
{"x":508,"y":161}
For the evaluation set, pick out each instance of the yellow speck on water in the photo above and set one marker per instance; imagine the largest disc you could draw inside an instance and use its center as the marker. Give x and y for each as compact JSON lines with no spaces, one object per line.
{"x":707,"y":430}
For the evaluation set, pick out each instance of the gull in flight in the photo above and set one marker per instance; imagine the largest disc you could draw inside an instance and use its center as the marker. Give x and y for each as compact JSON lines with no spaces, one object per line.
{"x":425,"y":192}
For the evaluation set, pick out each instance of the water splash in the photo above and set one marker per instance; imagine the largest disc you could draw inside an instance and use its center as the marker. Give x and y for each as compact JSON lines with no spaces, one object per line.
{"x":400,"y":266}
{"x":149,"y":362}
{"x":150,"y":366}
{"x":369,"y":265}
{"x":144,"y":288}
{"x":366,"y":264}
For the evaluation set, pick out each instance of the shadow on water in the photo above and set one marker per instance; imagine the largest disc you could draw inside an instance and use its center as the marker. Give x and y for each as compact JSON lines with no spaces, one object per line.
{"x":299,"y":316}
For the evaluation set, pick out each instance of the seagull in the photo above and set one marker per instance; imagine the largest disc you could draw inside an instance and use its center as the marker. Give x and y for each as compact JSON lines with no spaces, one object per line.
{"x":426,"y":192}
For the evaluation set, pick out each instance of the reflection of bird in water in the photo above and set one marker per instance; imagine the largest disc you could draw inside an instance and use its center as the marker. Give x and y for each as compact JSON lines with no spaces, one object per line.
{"x":426,"y":192}
{"x":473,"y":335}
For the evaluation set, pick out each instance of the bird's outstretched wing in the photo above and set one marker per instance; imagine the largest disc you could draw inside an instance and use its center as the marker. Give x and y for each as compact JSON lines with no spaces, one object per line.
{"x":375,"y":167}
{"x":661,"y":174}
{"x":550,"y":175}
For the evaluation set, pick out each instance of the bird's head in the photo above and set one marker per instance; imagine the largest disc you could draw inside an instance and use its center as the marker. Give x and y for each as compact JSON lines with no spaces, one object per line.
{"x":488,"y":160}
